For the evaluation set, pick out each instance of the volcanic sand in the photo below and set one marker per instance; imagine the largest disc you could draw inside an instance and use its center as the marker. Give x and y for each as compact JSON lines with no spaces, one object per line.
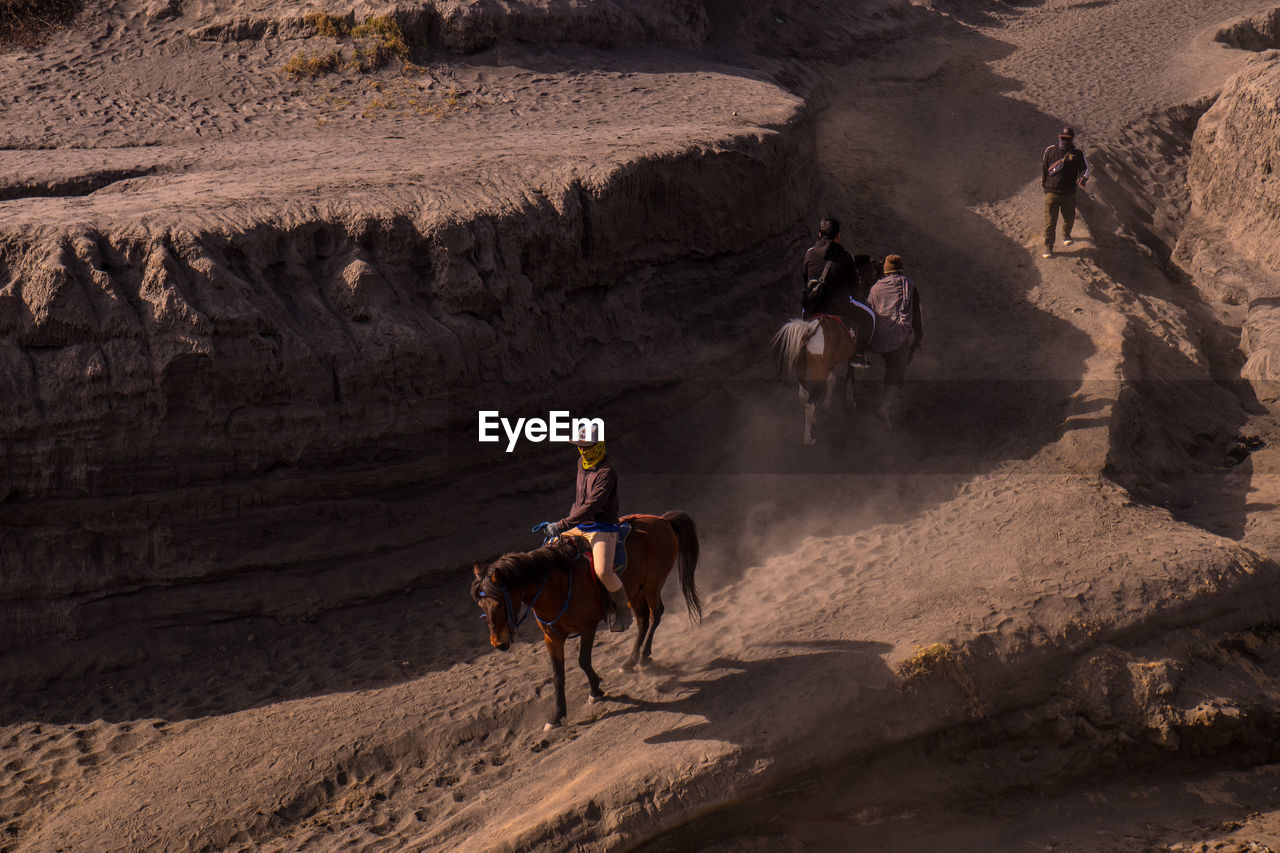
{"x":984,"y":523}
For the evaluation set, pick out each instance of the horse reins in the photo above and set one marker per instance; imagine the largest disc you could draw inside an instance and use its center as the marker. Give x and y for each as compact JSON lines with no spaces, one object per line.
{"x":524,"y":611}
{"x":551,"y":626}
{"x":547,"y":625}
{"x":568,"y":598}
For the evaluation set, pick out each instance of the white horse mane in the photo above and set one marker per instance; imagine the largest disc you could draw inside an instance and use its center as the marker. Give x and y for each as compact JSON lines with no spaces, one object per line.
{"x":790,"y":341}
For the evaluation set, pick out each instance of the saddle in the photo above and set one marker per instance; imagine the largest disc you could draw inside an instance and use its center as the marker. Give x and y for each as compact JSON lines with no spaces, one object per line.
{"x":839,"y":321}
{"x":619,"y":551}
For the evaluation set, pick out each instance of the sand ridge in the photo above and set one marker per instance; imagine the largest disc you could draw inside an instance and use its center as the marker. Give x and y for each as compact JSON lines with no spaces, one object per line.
{"x":1024,"y":566}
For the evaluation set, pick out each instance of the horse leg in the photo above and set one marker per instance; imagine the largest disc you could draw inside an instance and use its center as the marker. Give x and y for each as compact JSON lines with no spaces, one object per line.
{"x":658,"y":609}
{"x":809,"y":414}
{"x":555,"y":647}
{"x":850,"y":374}
{"x":831,"y":391}
{"x":642,"y":627}
{"x":584,"y":661}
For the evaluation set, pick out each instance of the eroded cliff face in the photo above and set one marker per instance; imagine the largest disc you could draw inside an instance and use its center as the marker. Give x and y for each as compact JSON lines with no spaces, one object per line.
{"x":1231,"y":245}
{"x":1233,"y":171}
{"x":1260,"y":32}
{"x":466,"y":27}
{"x":296,"y":355}
{"x":205,"y":420}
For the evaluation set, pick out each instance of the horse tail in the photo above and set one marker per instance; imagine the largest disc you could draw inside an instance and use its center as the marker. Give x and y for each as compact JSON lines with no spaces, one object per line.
{"x":789,"y":342}
{"x":687,"y":537}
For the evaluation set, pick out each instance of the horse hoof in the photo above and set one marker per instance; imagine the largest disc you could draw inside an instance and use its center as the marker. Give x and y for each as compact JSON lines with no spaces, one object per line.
{"x":810,"y":442}
{"x":554,"y":724}
{"x":594,"y":699}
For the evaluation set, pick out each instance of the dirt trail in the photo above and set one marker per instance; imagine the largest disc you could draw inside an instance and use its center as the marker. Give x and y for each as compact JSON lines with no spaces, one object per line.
{"x":993,"y":522}
{"x":969,"y":225}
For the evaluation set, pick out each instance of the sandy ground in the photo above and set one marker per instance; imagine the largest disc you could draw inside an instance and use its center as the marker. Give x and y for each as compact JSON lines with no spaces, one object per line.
{"x":984,"y":522}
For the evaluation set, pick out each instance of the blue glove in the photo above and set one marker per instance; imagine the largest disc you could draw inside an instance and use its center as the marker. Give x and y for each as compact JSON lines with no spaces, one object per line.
{"x":546,"y":528}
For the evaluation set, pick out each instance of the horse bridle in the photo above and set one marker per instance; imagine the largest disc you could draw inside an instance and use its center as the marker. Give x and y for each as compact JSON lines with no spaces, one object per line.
{"x":524,"y":612}
{"x":520,"y":615}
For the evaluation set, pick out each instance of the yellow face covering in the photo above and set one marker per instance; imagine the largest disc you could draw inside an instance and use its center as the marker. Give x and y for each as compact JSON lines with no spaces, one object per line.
{"x":592,"y":455}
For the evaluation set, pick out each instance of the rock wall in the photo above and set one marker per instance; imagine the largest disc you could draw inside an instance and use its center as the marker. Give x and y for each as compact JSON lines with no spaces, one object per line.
{"x":1234,"y":173}
{"x":467,"y":26}
{"x":280,"y":417}
{"x":1231,"y":245}
{"x":1261,"y":32}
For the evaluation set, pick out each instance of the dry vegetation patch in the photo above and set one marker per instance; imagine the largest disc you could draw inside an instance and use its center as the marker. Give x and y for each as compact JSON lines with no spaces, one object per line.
{"x":420,"y":102}
{"x":329,"y":26}
{"x":942,"y":662}
{"x":372,"y":44}
{"x":379,"y":40}
{"x":27,"y":23}
{"x":307,"y":64}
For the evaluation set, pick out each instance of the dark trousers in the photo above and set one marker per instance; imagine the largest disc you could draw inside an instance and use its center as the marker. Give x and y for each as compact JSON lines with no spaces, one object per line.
{"x":862,"y":324}
{"x":1053,"y":203}
{"x":895,"y":366}
{"x":895,"y":377}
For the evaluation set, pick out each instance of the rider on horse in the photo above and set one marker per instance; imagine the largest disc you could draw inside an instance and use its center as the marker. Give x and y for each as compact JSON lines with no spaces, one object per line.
{"x":594,"y":516}
{"x":830,"y":261}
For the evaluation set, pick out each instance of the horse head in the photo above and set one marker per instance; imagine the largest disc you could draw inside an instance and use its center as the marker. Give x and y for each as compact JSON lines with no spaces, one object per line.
{"x":502,"y":588}
{"x":493,"y":599}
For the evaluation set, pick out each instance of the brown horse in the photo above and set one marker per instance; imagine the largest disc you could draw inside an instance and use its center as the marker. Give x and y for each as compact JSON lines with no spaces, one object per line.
{"x":812,"y":351}
{"x":556,"y":583}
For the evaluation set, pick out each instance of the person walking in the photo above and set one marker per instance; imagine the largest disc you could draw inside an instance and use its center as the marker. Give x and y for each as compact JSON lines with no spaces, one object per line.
{"x":830,"y":262}
{"x":1063,"y":169}
{"x":899,"y":331}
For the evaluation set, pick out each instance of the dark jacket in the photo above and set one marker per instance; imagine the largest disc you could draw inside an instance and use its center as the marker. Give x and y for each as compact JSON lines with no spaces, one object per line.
{"x":842,"y":280}
{"x":596,"y":496}
{"x":1061,"y":167}
{"x":867,"y":276}
{"x":896,"y":302}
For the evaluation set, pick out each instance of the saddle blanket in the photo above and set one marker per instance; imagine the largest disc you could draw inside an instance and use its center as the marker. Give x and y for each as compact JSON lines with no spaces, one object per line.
{"x":620,"y":550}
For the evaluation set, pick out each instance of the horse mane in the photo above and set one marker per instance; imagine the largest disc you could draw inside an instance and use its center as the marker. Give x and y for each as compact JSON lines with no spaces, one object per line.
{"x":522,"y":568}
{"x":789,"y":342}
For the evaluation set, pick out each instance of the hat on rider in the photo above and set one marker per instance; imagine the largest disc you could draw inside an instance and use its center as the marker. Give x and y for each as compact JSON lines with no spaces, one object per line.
{"x":589,"y":439}
{"x":1066,"y":133}
{"x":893,"y":263}
{"x":588,"y":434}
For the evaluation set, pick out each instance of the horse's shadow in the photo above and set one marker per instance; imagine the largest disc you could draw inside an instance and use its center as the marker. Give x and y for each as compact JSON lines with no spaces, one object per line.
{"x":725,"y":691}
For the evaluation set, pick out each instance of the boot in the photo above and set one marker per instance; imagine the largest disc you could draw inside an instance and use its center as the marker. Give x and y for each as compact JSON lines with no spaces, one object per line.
{"x":620,"y":616}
